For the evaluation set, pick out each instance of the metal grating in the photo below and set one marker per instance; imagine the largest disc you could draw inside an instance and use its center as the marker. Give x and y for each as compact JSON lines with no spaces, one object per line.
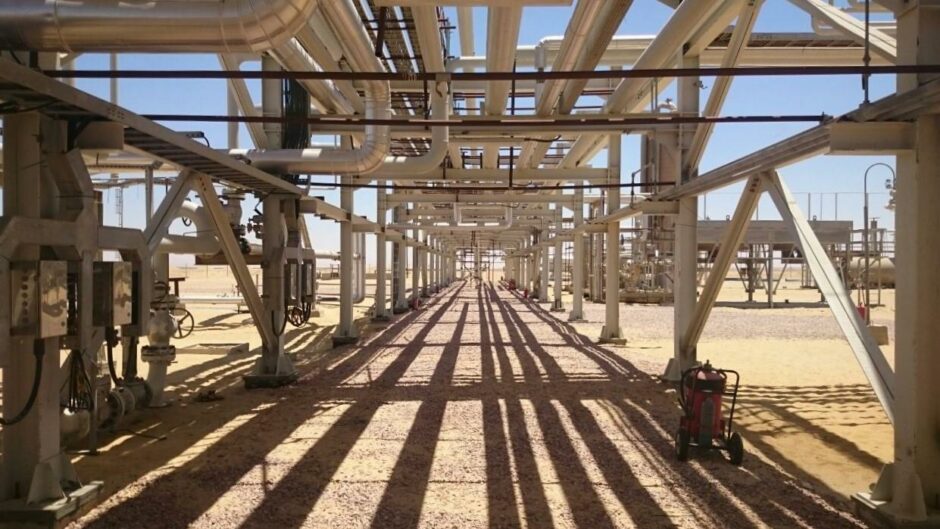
{"x":31,"y":90}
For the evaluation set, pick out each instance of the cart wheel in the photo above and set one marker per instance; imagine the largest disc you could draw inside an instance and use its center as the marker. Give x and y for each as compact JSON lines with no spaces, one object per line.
{"x":736,"y":448}
{"x":184,"y":322}
{"x":682,"y":444}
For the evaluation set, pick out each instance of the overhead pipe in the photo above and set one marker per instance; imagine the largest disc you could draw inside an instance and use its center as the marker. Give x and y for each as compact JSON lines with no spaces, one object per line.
{"x":320,"y":43}
{"x":293,"y":57}
{"x":416,"y":166}
{"x":625,"y":50}
{"x":630,"y":92}
{"x":601,"y":39}
{"x":458,"y":211}
{"x":502,"y":36}
{"x":429,"y":38}
{"x":154,"y":26}
{"x":467,"y":47}
{"x":404,"y":167}
{"x":572,"y":48}
{"x":427,"y":29}
{"x":342,"y":16}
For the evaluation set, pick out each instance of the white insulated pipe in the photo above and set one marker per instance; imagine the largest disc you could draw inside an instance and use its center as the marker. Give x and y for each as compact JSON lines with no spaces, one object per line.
{"x":426,"y":29}
{"x":467,"y":47}
{"x":293,"y":57}
{"x":631,"y":93}
{"x":342,"y":16}
{"x":600,"y":40}
{"x":416,"y":166}
{"x":502,"y":36}
{"x":152,"y":26}
{"x":572,"y":47}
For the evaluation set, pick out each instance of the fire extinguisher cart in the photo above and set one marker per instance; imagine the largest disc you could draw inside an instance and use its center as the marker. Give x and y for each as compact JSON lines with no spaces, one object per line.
{"x":703,"y":392}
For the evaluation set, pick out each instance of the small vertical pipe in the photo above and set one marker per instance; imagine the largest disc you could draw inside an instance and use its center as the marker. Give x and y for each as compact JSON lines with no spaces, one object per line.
{"x":148,"y":193}
{"x":232,"y":111}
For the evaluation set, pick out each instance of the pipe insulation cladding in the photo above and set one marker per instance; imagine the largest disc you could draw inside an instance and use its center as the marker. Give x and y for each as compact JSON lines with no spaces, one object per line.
{"x":151,"y":26}
{"x":341,"y":15}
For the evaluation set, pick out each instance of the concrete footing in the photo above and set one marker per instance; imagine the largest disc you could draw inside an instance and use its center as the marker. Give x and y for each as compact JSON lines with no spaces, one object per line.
{"x":673,"y":371}
{"x":879,"y":333}
{"x":344,"y":340}
{"x":49,"y":514}
{"x":269,"y":381}
{"x":875,"y":514}
{"x":285,"y":374}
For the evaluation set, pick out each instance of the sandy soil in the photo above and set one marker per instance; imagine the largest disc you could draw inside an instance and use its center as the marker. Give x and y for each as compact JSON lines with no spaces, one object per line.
{"x":486,"y":410}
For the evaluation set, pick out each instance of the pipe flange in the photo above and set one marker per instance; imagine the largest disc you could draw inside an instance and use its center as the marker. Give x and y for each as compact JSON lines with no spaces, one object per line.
{"x":154,"y":354}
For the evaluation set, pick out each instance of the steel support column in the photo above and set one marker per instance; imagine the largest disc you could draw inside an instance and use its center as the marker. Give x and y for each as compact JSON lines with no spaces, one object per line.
{"x":381,"y":312}
{"x":557,"y":305}
{"x":424,"y":262}
{"x":685,"y":226}
{"x":612,"y":333}
{"x":34,"y":441}
{"x":577,"y":261}
{"x":543,"y":277}
{"x":727,"y":251}
{"x":597,"y":261}
{"x":400,"y":301}
{"x":415,"y":267}
{"x":273,"y":364}
{"x":908,"y":489}
{"x":346,"y":331}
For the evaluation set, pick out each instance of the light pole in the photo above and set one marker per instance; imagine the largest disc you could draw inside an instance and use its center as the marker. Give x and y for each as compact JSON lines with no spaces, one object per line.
{"x":867,"y":236}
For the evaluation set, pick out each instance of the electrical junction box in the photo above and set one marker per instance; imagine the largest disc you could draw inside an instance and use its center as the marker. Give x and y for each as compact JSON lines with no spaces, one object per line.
{"x":308,"y":271}
{"x":39,"y":298}
{"x":114,"y":294}
{"x":291,"y":282}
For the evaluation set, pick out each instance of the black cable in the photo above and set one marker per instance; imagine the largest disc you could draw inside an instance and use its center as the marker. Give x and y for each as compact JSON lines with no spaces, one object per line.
{"x":80,"y":391}
{"x":283,"y":323}
{"x":295,"y":103}
{"x":39,"y":349}
{"x":111,"y":341}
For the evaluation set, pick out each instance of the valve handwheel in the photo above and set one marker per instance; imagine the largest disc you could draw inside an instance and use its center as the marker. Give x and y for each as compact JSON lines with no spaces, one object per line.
{"x":185,"y":323}
{"x":296,"y":316}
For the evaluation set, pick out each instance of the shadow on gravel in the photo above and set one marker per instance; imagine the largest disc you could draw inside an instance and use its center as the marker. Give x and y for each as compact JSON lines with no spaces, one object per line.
{"x":649,"y":415}
{"x":549,"y":398}
{"x":219,"y":467}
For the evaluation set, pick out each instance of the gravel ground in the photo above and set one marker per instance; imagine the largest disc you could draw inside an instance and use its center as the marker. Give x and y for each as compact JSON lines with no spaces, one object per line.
{"x":481,"y":410}
{"x":650,"y":322}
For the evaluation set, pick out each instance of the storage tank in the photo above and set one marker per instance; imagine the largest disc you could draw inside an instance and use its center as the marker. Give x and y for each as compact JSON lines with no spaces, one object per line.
{"x":881,"y":267}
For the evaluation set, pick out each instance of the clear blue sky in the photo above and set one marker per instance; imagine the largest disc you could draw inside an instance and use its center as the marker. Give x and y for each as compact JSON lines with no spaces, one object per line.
{"x":819,"y":179}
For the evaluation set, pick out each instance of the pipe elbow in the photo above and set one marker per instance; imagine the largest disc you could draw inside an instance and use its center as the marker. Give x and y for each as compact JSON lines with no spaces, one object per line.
{"x":266,"y":25}
{"x":115,"y":25}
